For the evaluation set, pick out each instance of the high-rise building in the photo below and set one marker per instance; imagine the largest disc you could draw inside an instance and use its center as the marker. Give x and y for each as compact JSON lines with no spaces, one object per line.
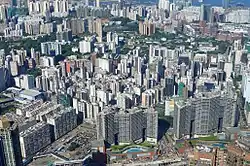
{"x":3,"y":13}
{"x":61,"y":8}
{"x":152,"y":125}
{"x":97,"y":3}
{"x":32,"y":25}
{"x":10,"y":152}
{"x":95,"y":26}
{"x":137,"y":64}
{"x":125,"y":101}
{"x":202,"y":13}
{"x":168,"y":84}
{"x":238,"y":16}
{"x":47,"y":61}
{"x":36,"y":7}
{"x":148,"y":98}
{"x":34,"y":139}
{"x":99,"y":30}
{"x":38,"y":82}
{"x":7,"y":2}
{"x":62,"y":122}
{"x":225,"y":3}
{"x":2,"y":79}
{"x":82,"y":11}
{"x":85,"y":47}
{"x":51,"y":48}
{"x":22,"y":3}
{"x":183,"y":69}
{"x":25,"y":81}
{"x":78,"y":26}
{"x":64,"y":36}
{"x":146,"y":28}
{"x":182,"y":3}
{"x":207,"y":12}
{"x":14,"y":68}
{"x":106,"y":126}
{"x":246,"y":86}
{"x":130,"y":126}
{"x":206,"y":113}
{"x":164,"y":4}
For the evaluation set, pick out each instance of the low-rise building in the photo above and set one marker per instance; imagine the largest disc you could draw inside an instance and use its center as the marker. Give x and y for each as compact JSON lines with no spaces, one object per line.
{"x":31,"y":94}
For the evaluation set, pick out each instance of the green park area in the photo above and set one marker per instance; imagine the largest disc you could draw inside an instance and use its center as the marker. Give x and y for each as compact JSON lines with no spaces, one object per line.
{"x":193,"y":142}
{"x":209,"y":138}
{"x":121,"y":147}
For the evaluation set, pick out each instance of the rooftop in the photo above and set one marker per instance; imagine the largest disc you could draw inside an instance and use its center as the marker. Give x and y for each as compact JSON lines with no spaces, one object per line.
{"x":30,"y":92}
{"x":98,"y":143}
{"x":233,"y":129}
{"x":33,"y":129}
{"x":46,"y":160}
{"x":234,"y":149}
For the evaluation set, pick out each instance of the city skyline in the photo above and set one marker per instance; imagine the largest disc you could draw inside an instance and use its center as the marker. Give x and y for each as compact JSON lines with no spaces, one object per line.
{"x":124,"y":83}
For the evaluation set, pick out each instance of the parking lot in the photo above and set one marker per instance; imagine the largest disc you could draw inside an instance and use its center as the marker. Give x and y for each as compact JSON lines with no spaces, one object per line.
{"x":75,"y":144}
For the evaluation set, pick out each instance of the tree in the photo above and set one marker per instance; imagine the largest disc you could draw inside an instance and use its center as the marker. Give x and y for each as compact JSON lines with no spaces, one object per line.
{"x":4,"y":45}
{"x":223,"y":47}
{"x":73,"y":146}
{"x":67,"y":50}
{"x":59,"y":58}
{"x":35,"y":72}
